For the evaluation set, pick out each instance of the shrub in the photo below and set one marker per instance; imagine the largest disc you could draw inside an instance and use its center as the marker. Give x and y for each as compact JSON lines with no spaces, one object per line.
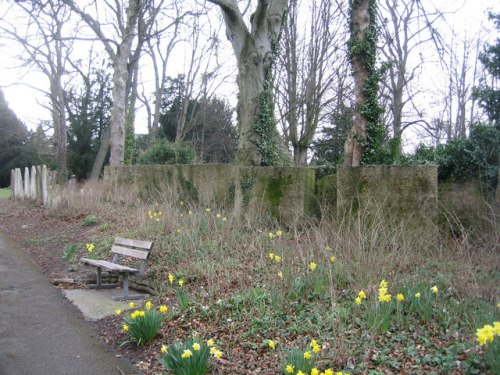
{"x":464,"y":159}
{"x":165,"y":152}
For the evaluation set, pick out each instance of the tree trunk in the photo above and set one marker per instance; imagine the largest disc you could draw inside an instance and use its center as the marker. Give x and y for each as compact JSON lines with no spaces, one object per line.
{"x":360,"y":21}
{"x":254,"y":54}
{"x":101,"y":155}
{"x":120,"y":78}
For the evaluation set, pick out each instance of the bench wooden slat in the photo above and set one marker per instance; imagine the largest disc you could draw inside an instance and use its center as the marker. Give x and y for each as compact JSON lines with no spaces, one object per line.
{"x":135,"y":253}
{"x":133,"y":243}
{"x":108,"y":265}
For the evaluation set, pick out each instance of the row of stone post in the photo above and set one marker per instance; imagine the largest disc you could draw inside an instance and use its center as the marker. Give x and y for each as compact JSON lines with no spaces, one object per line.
{"x":33,"y":185}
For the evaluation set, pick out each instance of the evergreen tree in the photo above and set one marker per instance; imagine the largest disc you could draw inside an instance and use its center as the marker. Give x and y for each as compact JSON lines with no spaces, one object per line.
{"x":89,"y":115}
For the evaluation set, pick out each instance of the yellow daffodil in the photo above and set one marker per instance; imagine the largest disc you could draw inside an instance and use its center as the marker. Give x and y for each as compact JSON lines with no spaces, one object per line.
{"x":332,"y":259}
{"x":316,"y":348}
{"x":181,"y":283}
{"x":134,"y":314}
{"x":270,"y":235}
{"x":187,"y":353}
{"x":307,"y":355}
{"x":496,"y":328}
{"x":163,"y":349}
{"x":131,"y":305}
{"x":125,"y":328}
{"x":118,"y":312}
{"x":384,"y":284}
{"x":434,"y":289}
{"x":218,"y":354}
{"x":280,"y":274}
{"x":277,"y":258}
{"x":385,"y":298}
{"x":314,"y":371}
{"x":279,"y":233}
{"x":148,"y":305}
{"x":271,"y":344}
{"x":213,"y":349}
{"x":400,"y":297}
{"x":361,"y":294}
{"x":312,"y":266}
{"x":224,"y":219}
{"x":142,"y":314}
{"x":90,"y":247}
{"x":171,"y":278}
{"x":163,"y":309}
{"x":329,"y":371}
{"x":290,"y":369}
{"x":485,"y":335}
{"x":417,"y":295}
{"x":210,"y":343}
{"x":178,"y":231}
{"x":208,"y":210}
{"x":313,"y":343}
{"x":301,"y":373}
{"x":270,"y":256}
{"x":217,"y":216}
{"x":357,"y":301}
{"x":196,"y":346}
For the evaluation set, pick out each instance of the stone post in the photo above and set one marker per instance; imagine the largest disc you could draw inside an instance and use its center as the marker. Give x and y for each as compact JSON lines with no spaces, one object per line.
{"x":45,"y":185}
{"x":39,"y":184}
{"x":19,"y":183}
{"x":33,"y":178}
{"x":26,"y":190}
{"x":12,"y":182}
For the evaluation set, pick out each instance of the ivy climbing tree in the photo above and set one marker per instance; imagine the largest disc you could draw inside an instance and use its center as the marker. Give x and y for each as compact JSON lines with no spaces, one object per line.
{"x":255,"y":49}
{"x":364,"y":144}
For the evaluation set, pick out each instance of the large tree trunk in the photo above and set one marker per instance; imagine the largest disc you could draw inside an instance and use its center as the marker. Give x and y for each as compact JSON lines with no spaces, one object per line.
{"x":360,"y":21}
{"x":254,"y":54}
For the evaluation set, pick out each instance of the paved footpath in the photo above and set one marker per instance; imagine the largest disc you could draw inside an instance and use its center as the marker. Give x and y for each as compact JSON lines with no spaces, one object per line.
{"x":41,"y":332}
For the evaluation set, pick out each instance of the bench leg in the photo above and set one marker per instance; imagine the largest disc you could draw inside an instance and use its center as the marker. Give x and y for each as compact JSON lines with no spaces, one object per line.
{"x":125,"y":285}
{"x":99,"y":277}
{"x":125,"y":296}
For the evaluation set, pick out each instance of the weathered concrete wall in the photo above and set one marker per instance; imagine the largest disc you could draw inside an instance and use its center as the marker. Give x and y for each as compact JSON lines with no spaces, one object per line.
{"x":401,"y":193}
{"x":467,"y":205}
{"x":326,"y":193}
{"x":286,"y":193}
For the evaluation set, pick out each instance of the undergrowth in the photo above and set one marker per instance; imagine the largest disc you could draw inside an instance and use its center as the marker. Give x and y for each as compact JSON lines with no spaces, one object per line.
{"x":246,"y":283}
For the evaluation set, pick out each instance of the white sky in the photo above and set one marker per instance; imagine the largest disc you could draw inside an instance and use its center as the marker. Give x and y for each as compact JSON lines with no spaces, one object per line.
{"x":26,"y":101}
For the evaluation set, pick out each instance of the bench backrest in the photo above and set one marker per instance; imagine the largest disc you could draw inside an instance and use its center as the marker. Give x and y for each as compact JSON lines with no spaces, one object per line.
{"x":133,"y":249}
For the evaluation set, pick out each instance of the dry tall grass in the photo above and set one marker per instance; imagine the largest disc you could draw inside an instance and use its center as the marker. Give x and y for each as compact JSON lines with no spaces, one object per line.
{"x":223,"y":254}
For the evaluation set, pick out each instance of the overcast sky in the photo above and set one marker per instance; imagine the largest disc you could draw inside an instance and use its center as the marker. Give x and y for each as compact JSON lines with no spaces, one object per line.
{"x":20,"y":86}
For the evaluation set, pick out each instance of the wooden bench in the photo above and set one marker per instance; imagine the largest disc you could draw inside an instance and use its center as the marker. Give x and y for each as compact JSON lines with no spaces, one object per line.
{"x":134,"y":249}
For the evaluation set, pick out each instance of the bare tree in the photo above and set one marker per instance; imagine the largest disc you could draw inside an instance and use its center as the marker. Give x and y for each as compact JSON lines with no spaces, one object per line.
{"x":47,"y":48}
{"x":254,"y":52}
{"x":119,"y":49}
{"x":410,"y":39}
{"x":170,"y":15}
{"x":307,"y":72}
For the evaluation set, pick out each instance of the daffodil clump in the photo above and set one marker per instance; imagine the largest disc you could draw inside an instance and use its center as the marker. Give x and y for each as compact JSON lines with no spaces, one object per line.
{"x":191,"y":357}
{"x":154,"y":215}
{"x":303,"y":362}
{"x":380,"y":313}
{"x":142,"y":325}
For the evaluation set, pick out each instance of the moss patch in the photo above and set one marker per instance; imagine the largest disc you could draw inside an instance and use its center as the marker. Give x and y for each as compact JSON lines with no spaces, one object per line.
{"x":276,"y":189}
